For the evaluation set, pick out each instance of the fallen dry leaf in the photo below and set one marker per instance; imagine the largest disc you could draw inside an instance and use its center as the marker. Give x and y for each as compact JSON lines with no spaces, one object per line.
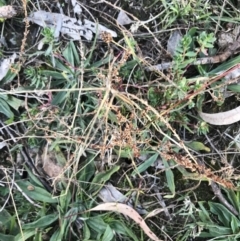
{"x":222,"y":118}
{"x":130,"y":212}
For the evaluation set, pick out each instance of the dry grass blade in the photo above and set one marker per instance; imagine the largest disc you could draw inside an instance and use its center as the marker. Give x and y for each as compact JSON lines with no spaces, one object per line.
{"x":130,"y":212}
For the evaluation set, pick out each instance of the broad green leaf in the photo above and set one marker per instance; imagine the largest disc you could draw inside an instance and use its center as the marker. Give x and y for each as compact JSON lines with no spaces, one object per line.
{"x":146,"y":164}
{"x":9,"y":77}
{"x":120,"y":228}
{"x":2,"y":3}
{"x":86,"y":172}
{"x":14,"y":102}
{"x":61,"y":66}
{"x":191,"y":54}
{"x":4,"y":108}
{"x":235,"y":88}
{"x":170,"y":179}
{"x":197,"y":146}
{"x":75,"y":53}
{"x":38,"y":194}
{"x":224,"y":215}
{"x":101,"y":178}
{"x":233,"y":198}
{"x":41,"y":222}
{"x":65,"y":199}
{"x":97,"y":224}
{"x":214,"y":230}
{"x":68,"y":54}
{"x":204,"y":214}
{"x":26,"y":234}
{"x":235,"y":225}
{"x":225,"y":66}
{"x":108,"y":234}
{"x":34,"y":180}
{"x":6,"y":237}
{"x":86,"y":232}
{"x":102,"y":62}
{"x":5,"y":217}
{"x":124,"y":153}
{"x":56,"y":236}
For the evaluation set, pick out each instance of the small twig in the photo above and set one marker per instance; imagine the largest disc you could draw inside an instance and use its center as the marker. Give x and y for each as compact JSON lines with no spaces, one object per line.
{"x":218,"y":194}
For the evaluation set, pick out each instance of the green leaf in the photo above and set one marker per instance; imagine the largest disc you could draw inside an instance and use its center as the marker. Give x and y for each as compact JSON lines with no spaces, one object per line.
{"x":65,"y":199}
{"x":197,"y":146}
{"x":34,"y":180}
{"x":54,"y":74}
{"x":101,"y":178}
{"x":234,"y":88}
{"x":225,"y":66}
{"x":86,"y":232}
{"x":75,"y":53}
{"x":203,"y":213}
{"x":5,"y":217}
{"x":38,"y":194}
{"x":86,"y":172}
{"x":214,"y":230}
{"x":56,"y":236}
{"x":235,"y":225}
{"x":4,"y":108}
{"x":26,"y":234}
{"x":141,"y":168}
{"x":61,"y":66}
{"x":224,"y":215}
{"x":191,"y":54}
{"x":108,"y":235}
{"x":120,"y":228}
{"x":42,"y":222}
{"x":2,"y":3}
{"x":6,"y":237}
{"x":97,"y":224}
{"x":68,"y":54}
{"x":170,"y":179}
{"x":233,"y":198}
{"x":14,"y":102}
